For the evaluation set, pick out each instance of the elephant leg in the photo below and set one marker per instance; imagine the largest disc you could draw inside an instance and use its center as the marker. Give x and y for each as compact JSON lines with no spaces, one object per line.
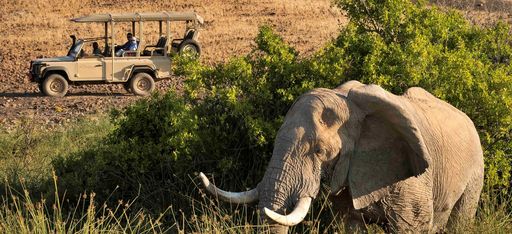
{"x":465,"y":208}
{"x":440,"y":220}
{"x":355,"y":221}
{"x":355,"y":224}
{"x":344,"y":210}
{"x":409,"y":206}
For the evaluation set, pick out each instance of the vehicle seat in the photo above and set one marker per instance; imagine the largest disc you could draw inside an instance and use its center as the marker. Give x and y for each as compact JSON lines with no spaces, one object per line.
{"x":158,"y":49}
{"x":107,"y":52}
{"x":188,"y":35}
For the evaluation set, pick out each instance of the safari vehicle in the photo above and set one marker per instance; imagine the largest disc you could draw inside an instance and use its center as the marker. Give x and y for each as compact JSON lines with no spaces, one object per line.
{"x":137,"y":69}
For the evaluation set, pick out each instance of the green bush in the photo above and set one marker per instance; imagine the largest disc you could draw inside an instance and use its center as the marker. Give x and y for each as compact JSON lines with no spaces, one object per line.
{"x":398,"y":44}
{"x":136,"y":158}
{"x":228,"y":115}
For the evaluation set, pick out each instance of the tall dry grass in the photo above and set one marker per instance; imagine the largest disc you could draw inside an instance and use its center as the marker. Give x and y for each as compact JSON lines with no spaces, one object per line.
{"x":494,"y":215}
{"x":19,"y":213}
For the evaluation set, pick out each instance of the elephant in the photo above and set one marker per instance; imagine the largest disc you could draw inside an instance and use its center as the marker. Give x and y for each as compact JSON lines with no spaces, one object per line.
{"x":411,"y":162}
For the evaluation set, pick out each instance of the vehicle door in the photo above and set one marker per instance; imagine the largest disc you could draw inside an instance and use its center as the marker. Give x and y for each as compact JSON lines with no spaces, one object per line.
{"x":90,"y":68}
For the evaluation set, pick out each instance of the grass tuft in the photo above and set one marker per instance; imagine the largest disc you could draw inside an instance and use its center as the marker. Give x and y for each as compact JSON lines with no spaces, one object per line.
{"x":19,"y":213}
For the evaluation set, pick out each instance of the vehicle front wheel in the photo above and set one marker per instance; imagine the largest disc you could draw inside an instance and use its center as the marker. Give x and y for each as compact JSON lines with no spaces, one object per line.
{"x":142,"y":84}
{"x":55,"y":85}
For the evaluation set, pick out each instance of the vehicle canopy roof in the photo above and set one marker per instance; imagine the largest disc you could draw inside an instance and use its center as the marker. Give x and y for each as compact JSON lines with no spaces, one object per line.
{"x":135,"y":17}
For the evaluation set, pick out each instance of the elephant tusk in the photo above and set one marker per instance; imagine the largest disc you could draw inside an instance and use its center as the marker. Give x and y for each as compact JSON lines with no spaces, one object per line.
{"x":297,"y":215}
{"x":238,"y":198}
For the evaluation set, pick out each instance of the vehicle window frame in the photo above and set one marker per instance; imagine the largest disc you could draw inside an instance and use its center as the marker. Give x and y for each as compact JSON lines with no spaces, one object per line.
{"x":76,"y":49}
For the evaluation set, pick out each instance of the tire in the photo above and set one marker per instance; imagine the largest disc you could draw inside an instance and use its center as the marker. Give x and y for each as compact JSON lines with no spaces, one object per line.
{"x":55,"y":85}
{"x":142,"y":84}
{"x":189,"y":48}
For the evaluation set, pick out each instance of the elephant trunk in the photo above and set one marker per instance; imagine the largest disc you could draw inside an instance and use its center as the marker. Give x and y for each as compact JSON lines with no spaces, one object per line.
{"x":282,"y":191}
{"x":272,"y":199}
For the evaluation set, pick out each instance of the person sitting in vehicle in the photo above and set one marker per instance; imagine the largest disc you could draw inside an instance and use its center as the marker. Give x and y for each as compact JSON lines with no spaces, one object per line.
{"x":131,"y":44}
{"x":96,"y":49}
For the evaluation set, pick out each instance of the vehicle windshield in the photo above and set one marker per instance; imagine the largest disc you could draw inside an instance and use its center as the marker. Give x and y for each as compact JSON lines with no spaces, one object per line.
{"x":73,"y":52}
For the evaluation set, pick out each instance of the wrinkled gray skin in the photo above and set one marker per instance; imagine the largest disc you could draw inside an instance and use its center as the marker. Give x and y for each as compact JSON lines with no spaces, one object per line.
{"x":412,"y":162}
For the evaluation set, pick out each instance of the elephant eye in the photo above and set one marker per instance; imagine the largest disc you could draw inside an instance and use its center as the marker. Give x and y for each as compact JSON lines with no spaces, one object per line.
{"x":320,"y":151}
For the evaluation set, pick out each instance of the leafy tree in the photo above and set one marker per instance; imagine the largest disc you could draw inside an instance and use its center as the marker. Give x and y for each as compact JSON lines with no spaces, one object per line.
{"x":399,"y":44}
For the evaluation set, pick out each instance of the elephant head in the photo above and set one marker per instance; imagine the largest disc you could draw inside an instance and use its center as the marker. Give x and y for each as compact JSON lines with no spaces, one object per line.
{"x":359,"y":136}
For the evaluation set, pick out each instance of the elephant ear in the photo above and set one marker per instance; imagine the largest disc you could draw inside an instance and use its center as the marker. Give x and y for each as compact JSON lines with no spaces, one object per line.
{"x":390,"y":147}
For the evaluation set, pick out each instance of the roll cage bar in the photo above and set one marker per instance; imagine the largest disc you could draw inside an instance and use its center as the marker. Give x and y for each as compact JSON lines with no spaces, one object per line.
{"x":136,"y":17}
{"x":192,"y":19}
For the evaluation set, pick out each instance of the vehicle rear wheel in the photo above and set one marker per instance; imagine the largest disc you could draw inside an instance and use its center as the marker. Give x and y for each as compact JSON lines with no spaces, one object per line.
{"x":190,"y":48}
{"x":55,"y":85}
{"x":142,"y":84}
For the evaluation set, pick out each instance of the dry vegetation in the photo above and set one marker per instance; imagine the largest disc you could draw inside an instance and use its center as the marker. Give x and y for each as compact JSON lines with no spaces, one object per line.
{"x":38,"y":28}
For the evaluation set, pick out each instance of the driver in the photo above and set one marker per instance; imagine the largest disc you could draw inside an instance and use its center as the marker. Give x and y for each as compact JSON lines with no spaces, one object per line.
{"x":96,"y":48}
{"x":131,"y":44}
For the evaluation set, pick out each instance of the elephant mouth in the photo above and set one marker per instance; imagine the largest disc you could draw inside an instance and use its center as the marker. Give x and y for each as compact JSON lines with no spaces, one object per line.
{"x":296,"y":216}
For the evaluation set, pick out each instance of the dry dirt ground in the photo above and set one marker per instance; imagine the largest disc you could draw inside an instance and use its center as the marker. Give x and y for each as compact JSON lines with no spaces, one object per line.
{"x":35,"y":28}
{"x":32,"y":28}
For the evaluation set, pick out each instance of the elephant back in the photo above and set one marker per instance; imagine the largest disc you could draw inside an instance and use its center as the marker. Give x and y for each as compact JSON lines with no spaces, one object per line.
{"x":452,"y":142}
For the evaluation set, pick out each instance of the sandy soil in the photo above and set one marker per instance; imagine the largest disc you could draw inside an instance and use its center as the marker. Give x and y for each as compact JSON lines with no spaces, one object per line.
{"x":37,"y":28}
{"x":32,"y":28}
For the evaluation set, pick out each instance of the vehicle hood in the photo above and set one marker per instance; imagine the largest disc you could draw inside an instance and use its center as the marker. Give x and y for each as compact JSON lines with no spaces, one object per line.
{"x":54,"y":59}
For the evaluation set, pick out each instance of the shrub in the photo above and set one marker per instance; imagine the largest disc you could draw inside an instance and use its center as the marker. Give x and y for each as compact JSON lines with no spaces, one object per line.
{"x":136,"y":158}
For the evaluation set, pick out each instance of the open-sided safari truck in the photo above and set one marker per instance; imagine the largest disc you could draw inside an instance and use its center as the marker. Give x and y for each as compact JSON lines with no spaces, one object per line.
{"x":136,"y":69}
